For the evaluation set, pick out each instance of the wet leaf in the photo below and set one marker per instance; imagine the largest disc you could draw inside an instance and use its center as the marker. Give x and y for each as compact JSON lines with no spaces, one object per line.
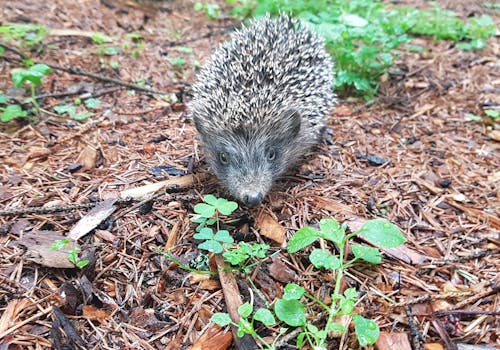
{"x":382,"y":233}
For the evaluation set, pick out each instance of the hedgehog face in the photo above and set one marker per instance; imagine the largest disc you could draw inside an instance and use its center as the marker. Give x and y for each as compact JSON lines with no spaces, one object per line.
{"x":247,"y":160}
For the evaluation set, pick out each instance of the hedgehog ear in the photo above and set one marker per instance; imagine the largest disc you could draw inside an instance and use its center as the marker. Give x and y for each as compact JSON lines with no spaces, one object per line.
{"x":290,"y":120}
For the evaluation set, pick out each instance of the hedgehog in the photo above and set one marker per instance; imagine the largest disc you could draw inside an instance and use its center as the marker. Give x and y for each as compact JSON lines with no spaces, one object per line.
{"x":259,"y":104}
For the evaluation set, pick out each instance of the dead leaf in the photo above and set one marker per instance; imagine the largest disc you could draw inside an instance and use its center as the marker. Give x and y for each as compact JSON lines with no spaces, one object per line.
{"x":10,"y":313}
{"x":209,"y":285}
{"x":149,"y":149}
{"x":281,"y":272}
{"x":39,"y":152}
{"x":495,"y":135}
{"x":332,"y":205}
{"x":93,"y":313}
{"x":266,"y":284}
{"x":198,"y":277}
{"x":269,"y":227}
{"x":213,"y":339}
{"x":105,"y":235}
{"x":146,"y":191}
{"x":88,"y":158}
{"x":146,"y":319}
{"x":37,"y":245}
{"x":389,"y":341}
{"x":94,"y":217}
{"x":433,"y":346}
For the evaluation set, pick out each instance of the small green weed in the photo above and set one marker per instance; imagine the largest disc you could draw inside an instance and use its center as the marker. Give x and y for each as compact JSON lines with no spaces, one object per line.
{"x":71,"y":110}
{"x":244,"y":253}
{"x":22,"y":35}
{"x":246,"y":324}
{"x":363,"y":36}
{"x":33,"y":76}
{"x":492,"y":113}
{"x":177,"y":62}
{"x":72,"y":254}
{"x":212,"y":11}
{"x":292,"y":311}
{"x":208,"y":215}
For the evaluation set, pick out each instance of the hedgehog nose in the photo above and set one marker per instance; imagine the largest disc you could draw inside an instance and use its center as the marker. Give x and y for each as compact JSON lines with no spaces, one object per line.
{"x":253,"y":199}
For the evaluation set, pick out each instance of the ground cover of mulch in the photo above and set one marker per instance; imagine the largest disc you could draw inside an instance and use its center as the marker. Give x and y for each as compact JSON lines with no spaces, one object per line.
{"x":412,"y":156}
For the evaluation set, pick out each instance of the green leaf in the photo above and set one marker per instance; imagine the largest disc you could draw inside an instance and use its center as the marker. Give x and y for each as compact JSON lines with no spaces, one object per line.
{"x":223,"y":236}
{"x":184,"y":49}
{"x":293,"y":292}
{"x":11,"y":112}
{"x":495,"y":114}
{"x":81,"y":116}
{"x":300,"y":340}
{"x":92,"y":103}
{"x":3,"y":98}
{"x":101,"y":38}
{"x":211,"y":246}
{"x":210,"y":199}
{"x":302,"y":238}
{"x":199,"y":220}
{"x":335,"y":327}
{"x":205,"y":210}
{"x":369,"y":254}
{"x":312,"y":328}
{"x":59,"y":244}
{"x":34,"y":74}
{"x":265,"y":316}
{"x":134,"y":36}
{"x":234,"y":257}
{"x":259,"y":250}
{"x":225,"y":207}
{"x":73,"y":255}
{"x":292,"y":312}
{"x":110,"y":50}
{"x":367,"y":331}
{"x":61,"y":109}
{"x":40,"y":68}
{"x":244,"y":326}
{"x":82,"y":263}
{"x":205,"y":233}
{"x":354,"y":20}
{"x":322,"y":259}
{"x":332,"y":231}
{"x":383,"y":233}
{"x":245,"y":309}
{"x":221,"y":318}
{"x":346,"y":305}
{"x":198,"y":6}
{"x":351,"y":293}
{"x":474,"y":117}
{"x":177,"y":61}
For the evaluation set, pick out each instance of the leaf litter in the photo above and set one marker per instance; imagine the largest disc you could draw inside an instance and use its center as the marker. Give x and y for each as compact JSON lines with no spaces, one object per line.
{"x":412,"y":157}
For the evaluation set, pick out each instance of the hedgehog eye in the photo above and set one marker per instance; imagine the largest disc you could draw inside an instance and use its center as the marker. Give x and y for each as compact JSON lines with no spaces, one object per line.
{"x":223,"y":158}
{"x":271,"y":154}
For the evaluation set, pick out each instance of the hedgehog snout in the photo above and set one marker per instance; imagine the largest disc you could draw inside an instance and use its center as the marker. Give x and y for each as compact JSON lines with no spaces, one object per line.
{"x":253,"y":199}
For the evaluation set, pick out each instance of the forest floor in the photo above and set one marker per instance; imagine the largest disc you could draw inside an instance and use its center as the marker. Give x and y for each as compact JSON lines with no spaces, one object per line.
{"x":412,"y":156}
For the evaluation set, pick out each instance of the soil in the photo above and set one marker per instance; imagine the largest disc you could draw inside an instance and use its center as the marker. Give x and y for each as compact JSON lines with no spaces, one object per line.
{"x":412,"y":156}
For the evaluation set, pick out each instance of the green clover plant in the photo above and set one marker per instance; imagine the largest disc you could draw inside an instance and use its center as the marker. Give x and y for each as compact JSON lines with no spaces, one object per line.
{"x":208,"y":214}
